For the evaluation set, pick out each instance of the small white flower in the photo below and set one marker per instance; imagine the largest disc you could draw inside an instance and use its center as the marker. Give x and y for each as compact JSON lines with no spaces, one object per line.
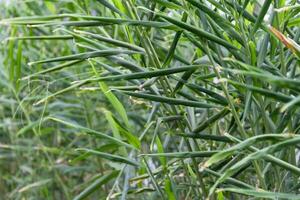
{"x":216,"y":80}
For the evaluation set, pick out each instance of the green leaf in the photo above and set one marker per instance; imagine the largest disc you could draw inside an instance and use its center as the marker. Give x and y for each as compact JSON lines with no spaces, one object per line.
{"x":44,"y":37}
{"x":238,"y":148}
{"x":18,"y":72}
{"x":110,"y":157}
{"x":115,"y":102}
{"x":110,"y":6}
{"x":168,"y":4}
{"x":259,"y":193}
{"x":267,"y":93}
{"x":261,"y":15}
{"x":211,"y":120}
{"x":160,"y":149}
{"x":84,"y":56}
{"x":167,"y":100}
{"x":194,"y":154}
{"x":118,"y":130}
{"x":260,"y":154}
{"x":90,"y":131}
{"x":118,"y":106}
{"x":53,"y":69}
{"x":115,"y":129}
{"x":111,"y":41}
{"x":169,"y":190}
{"x":197,"y":31}
{"x":96,"y":185}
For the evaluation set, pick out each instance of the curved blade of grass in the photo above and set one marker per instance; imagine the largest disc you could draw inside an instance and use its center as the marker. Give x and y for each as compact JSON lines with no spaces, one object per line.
{"x":197,"y":89}
{"x":294,"y":21}
{"x":112,"y":98}
{"x":110,"y":6}
{"x":201,"y":6}
{"x":115,"y":130}
{"x":10,"y":58}
{"x":110,"y":157}
{"x":96,"y":185}
{"x":160,"y":150}
{"x":111,"y":41}
{"x":184,"y":77}
{"x":168,"y":100}
{"x":232,"y":181}
{"x":119,"y":129}
{"x":34,"y":185}
{"x":245,"y":13}
{"x":284,"y":82}
{"x":244,"y":65}
{"x":187,"y":154}
{"x":27,"y":128}
{"x":211,"y":120}
{"x":259,"y":193}
{"x":255,"y":156}
{"x":156,"y":185}
{"x":118,"y":60}
{"x":218,"y":138}
{"x":271,"y":158}
{"x":267,"y":93}
{"x":263,"y":50}
{"x":18,"y":73}
{"x":261,"y":15}
{"x":169,"y":189}
{"x":120,"y":6}
{"x":287,"y":8}
{"x":53,"y":69}
{"x":244,"y":145}
{"x":168,"y":4}
{"x":152,"y":24}
{"x":149,"y":74}
{"x":44,"y":37}
{"x":84,"y":56}
{"x":42,"y":18}
{"x":89,"y":21}
{"x":77,"y":85}
{"x":197,"y":31}
{"x":133,"y":192}
{"x":172,"y":49}
{"x":293,"y":102}
{"x":90,"y":131}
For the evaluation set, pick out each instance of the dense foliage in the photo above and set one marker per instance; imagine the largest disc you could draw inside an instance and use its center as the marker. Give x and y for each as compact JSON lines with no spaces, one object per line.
{"x":149,"y":99}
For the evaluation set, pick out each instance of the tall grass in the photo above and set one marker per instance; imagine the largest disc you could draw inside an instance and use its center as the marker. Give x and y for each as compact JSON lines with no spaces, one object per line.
{"x":160,"y":99}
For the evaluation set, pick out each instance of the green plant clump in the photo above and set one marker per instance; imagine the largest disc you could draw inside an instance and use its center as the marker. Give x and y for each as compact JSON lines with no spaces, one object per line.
{"x":150,"y":99}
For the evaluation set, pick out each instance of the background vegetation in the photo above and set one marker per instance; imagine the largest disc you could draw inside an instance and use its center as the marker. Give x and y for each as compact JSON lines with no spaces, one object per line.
{"x":149,"y":99}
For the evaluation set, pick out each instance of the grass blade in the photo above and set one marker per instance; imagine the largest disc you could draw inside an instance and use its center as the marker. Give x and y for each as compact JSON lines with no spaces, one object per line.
{"x":90,"y":131}
{"x":261,"y":193}
{"x":197,"y":31}
{"x":110,"y":157}
{"x":261,"y":15}
{"x":168,"y":100}
{"x":84,"y":56}
{"x":188,"y":154}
